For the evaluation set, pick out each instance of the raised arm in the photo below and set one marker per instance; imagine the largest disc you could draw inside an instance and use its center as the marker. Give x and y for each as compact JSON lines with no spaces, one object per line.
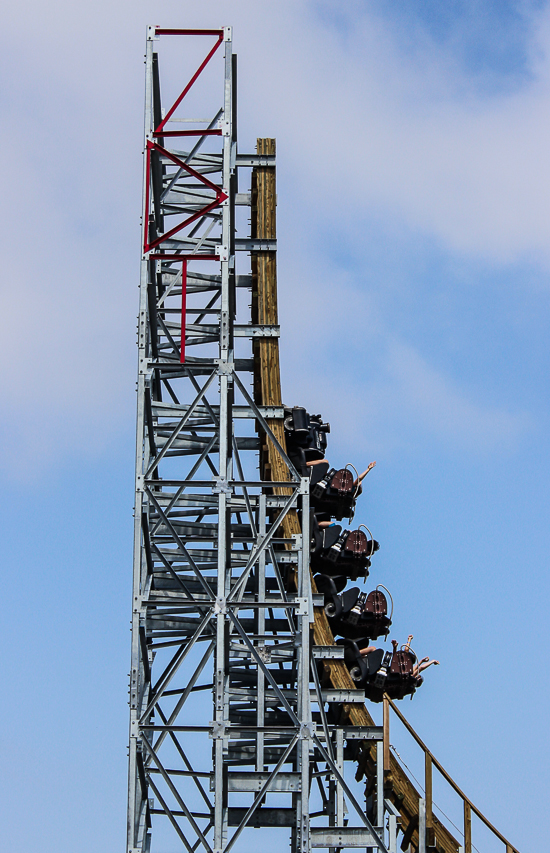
{"x":424,"y":664}
{"x":361,"y":477}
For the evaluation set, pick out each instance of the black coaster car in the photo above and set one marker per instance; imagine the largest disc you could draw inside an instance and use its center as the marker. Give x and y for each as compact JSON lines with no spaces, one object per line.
{"x":381,"y":672}
{"x":306,"y":437}
{"x":335,"y":552}
{"x":354,"y":614}
{"x":332,"y":493}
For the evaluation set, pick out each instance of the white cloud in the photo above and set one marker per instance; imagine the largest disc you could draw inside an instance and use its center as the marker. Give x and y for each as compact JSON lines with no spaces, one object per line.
{"x":432,"y":401}
{"x":360,"y":127}
{"x":367,"y":127}
{"x":360,"y":372}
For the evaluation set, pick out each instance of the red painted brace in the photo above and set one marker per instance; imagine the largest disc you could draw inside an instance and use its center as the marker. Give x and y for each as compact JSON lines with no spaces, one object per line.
{"x":199,"y":71}
{"x":220,"y":196}
{"x":161,"y":31}
{"x":209,"y":132}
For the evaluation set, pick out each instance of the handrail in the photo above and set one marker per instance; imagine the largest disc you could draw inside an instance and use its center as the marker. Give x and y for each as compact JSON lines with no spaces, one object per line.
{"x":468,"y":805}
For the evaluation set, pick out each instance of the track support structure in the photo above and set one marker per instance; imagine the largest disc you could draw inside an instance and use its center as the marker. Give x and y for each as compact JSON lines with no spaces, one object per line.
{"x":234,"y":670}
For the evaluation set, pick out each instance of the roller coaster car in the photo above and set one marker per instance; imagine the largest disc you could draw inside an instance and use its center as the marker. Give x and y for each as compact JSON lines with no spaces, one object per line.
{"x":381,"y":672}
{"x":306,"y":435}
{"x":333,"y":492}
{"x":354,"y":614}
{"x":335,"y":552}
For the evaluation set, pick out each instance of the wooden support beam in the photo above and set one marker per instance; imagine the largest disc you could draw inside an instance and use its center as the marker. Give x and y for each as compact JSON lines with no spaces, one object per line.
{"x":467,"y":827}
{"x":267,"y":372}
{"x":386,"y":733}
{"x":430,"y":835}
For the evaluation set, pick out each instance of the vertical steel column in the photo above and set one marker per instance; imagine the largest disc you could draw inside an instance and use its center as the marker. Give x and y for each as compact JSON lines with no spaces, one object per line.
{"x":339,"y":789}
{"x":137,"y":792}
{"x":225,"y":374}
{"x":260,"y":627}
{"x":305,"y":616}
{"x":421,"y":825}
{"x":380,"y":785}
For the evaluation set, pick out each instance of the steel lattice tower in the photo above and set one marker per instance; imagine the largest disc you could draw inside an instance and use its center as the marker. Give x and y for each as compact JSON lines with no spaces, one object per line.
{"x":228,"y":727}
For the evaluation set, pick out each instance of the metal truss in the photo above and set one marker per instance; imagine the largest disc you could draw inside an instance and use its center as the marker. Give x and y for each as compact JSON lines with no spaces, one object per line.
{"x":228,"y":727}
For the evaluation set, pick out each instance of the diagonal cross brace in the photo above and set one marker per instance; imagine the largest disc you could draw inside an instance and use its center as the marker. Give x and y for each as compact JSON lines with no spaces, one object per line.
{"x":264,"y":669}
{"x":254,"y":556}
{"x":181,"y":424}
{"x":381,"y":846}
{"x":184,"y":550}
{"x":265,"y":426}
{"x":171,"y":817}
{"x":198,"y":72}
{"x":260,"y":795}
{"x":177,"y":796}
{"x":220,"y":196}
{"x":173,"y":667}
{"x":181,"y":701}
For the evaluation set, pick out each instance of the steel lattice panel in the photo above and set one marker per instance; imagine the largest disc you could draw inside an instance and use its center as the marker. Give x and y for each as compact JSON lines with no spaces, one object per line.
{"x":222,"y":677}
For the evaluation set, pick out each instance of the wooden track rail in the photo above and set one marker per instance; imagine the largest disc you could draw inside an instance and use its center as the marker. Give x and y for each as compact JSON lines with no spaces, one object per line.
{"x":267,"y":392}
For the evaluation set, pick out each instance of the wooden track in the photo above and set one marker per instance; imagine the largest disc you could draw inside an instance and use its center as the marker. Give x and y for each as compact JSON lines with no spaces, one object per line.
{"x":267,"y":392}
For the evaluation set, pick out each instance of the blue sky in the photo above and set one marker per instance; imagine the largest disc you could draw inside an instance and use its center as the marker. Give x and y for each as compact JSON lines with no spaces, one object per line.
{"x":414,"y":237}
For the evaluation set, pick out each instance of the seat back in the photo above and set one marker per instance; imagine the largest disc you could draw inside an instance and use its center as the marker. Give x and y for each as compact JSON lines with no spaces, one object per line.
{"x":374,"y":660}
{"x":356,"y":543}
{"x":342,"y":481}
{"x":317,"y":472}
{"x":316,"y":534}
{"x":349,"y":598}
{"x":297,"y":456}
{"x":402,"y":663}
{"x":331,"y":535}
{"x":376,"y":603}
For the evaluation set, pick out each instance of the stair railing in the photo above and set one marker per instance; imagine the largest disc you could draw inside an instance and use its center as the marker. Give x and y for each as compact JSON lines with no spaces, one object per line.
{"x":426,"y":832}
